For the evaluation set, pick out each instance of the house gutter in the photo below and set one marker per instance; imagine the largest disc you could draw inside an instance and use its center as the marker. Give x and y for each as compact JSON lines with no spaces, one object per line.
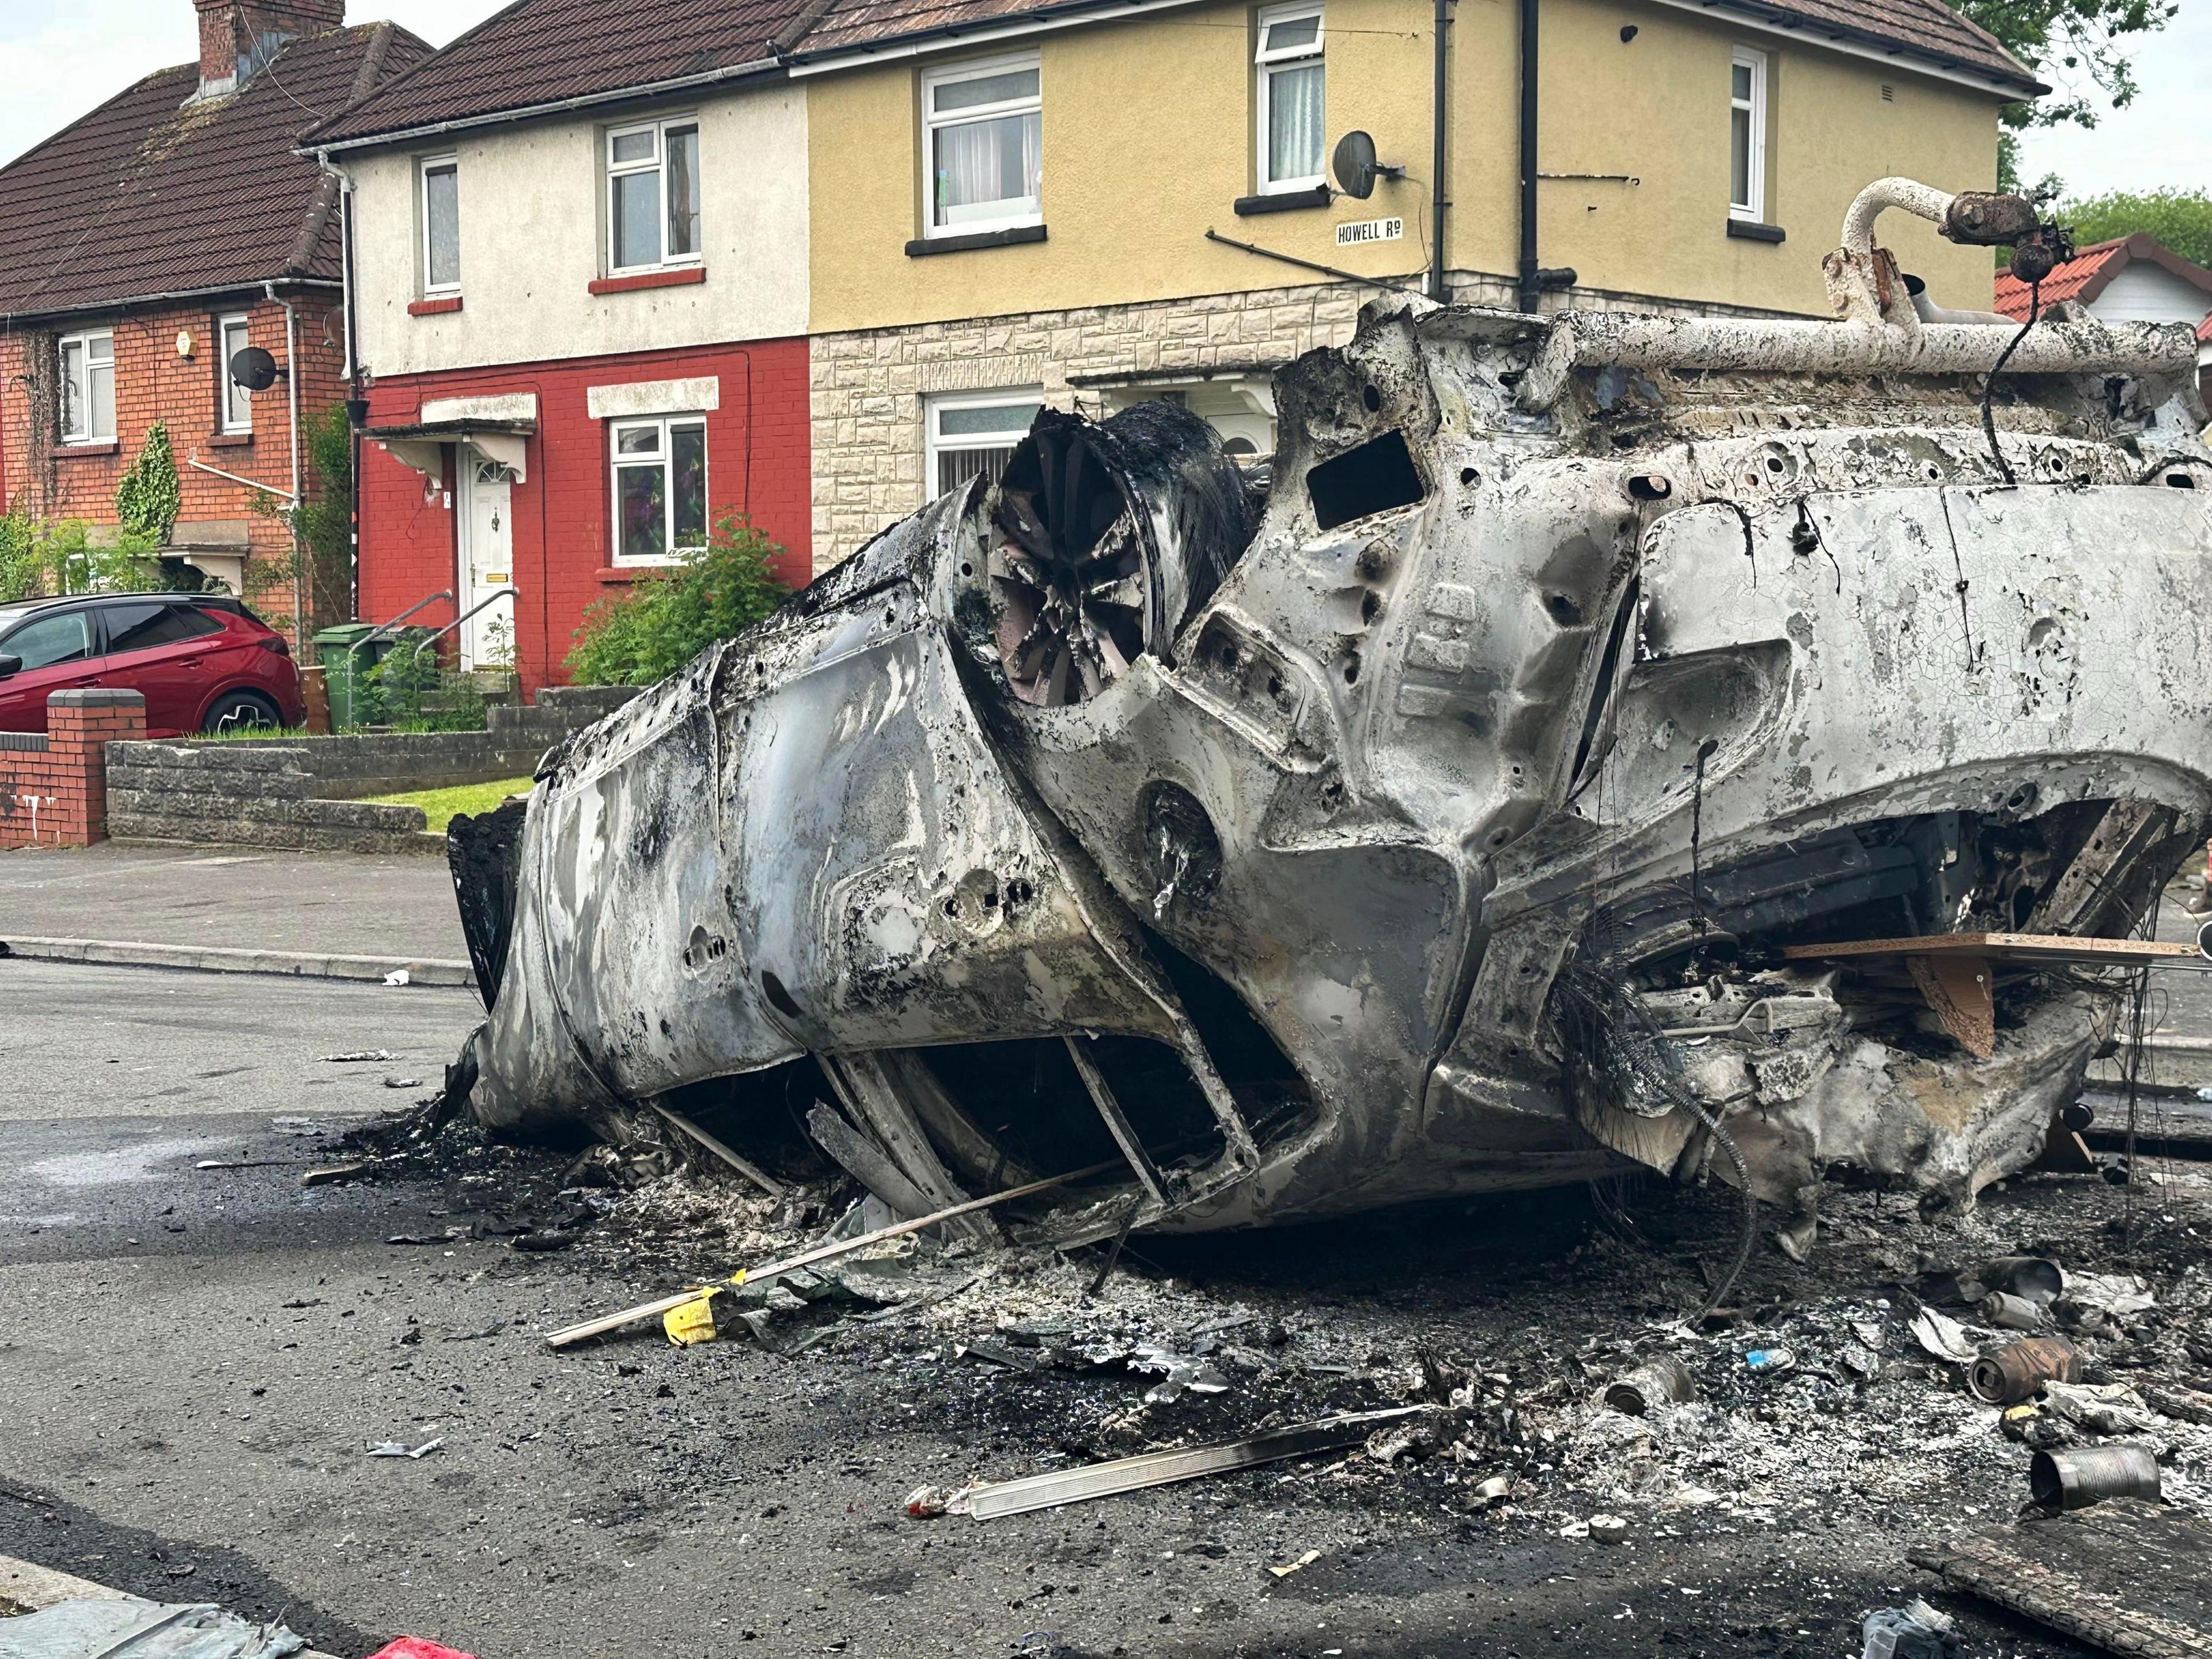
{"x":1863,"y":43}
{"x":1038,"y":22}
{"x":733,"y":72}
{"x":126,"y":303}
{"x":292,"y":400}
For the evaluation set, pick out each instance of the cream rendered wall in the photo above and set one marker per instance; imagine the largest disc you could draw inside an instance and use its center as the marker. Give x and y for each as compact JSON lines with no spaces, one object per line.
{"x":1148,"y":140}
{"x":531,"y":212}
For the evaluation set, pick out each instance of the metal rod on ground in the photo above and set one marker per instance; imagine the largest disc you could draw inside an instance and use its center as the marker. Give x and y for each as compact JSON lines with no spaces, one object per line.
{"x":615,"y":1322}
{"x":1114,"y":1255}
{"x":759,"y":1177}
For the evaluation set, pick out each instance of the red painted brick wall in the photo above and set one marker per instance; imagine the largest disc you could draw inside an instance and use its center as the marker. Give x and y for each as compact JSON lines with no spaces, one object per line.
{"x":56,"y":795}
{"x":152,"y":383}
{"x":758,"y":463}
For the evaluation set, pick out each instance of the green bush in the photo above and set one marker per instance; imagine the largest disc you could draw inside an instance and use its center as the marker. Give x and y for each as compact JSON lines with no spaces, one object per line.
{"x":43,"y":558}
{"x":412,"y":690}
{"x":714,"y":592}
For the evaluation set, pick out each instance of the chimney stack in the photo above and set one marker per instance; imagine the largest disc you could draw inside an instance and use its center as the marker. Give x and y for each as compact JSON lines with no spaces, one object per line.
{"x":237,"y":36}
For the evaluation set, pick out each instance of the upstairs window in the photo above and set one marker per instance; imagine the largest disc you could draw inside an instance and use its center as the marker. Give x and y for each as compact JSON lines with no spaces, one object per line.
{"x":1748,"y":135}
{"x":984,"y":140}
{"x":1292,"y":85}
{"x":653,"y":195}
{"x":88,"y":388}
{"x":974,"y":435}
{"x":441,"y":226}
{"x":236,"y":410}
{"x":659,"y":488}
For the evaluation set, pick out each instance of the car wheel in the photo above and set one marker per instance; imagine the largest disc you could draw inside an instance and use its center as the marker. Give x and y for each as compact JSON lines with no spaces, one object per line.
{"x":236,"y":711}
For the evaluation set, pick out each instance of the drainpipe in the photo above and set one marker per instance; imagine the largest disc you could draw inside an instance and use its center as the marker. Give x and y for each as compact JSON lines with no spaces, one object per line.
{"x":356,"y":409}
{"x":1529,"y":290}
{"x":292,"y":397}
{"x":1437,"y":200}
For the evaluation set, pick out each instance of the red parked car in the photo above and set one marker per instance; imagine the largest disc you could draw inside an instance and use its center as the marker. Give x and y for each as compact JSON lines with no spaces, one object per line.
{"x":204,"y":662}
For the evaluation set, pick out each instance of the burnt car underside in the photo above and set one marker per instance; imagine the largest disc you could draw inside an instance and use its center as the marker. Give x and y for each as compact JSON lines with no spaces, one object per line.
{"x":1436,"y":818}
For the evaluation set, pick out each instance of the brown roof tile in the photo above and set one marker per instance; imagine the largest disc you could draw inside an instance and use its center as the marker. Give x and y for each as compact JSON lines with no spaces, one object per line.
{"x":536,"y":52}
{"x":2091,"y":271}
{"x":143,"y":197}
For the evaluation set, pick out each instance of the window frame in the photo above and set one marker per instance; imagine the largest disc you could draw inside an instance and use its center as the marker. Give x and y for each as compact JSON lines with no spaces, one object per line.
{"x":1753,"y":212}
{"x":657,"y":165}
{"x":109,"y":633}
{"x":977,"y":68}
{"x":936,"y":445}
{"x":432,"y":289}
{"x":665,"y":456}
{"x":1266,"y":66}
{"x":84,"y":338}
{"x":227,"y":390}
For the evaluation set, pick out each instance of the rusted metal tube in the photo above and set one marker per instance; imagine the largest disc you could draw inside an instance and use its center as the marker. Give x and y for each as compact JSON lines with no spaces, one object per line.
{"x":2017,"y":1370}
{"x":2089,"y":1475}
{"x":1659,"y":1381}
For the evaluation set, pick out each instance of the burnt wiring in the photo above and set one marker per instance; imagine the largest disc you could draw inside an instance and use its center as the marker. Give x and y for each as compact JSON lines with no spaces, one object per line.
{"x":1600,"y":1017}
{"x":1990,"y":383}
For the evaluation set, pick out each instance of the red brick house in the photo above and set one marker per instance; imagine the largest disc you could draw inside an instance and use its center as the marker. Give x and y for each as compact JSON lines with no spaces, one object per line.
{"x":149,"y":242}
{"x":580,"y":307}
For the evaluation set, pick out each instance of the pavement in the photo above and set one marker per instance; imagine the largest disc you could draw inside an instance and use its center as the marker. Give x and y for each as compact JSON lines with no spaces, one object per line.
{"x":386,"y":904}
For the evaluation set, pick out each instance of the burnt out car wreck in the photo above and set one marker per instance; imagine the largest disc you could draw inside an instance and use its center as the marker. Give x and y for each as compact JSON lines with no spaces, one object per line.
{"x":1473,"y":803}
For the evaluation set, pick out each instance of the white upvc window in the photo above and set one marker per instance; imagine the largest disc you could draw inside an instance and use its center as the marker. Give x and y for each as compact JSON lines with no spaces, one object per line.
{"x":1292,"y":98}
{"x":441,"y":225}
{"x":660,"y":487}
{"x":233,"y":336}
{"x":1748,"y":135}
{"x":983,"y":140}
{"x":973,"y":433}
{"x":87,"y":387}
{"x":653,"y":195}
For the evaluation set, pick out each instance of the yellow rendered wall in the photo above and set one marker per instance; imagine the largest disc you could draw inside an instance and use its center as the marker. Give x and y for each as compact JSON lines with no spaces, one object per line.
{"x":1148,"y":140}
{"x":1656,"y":107}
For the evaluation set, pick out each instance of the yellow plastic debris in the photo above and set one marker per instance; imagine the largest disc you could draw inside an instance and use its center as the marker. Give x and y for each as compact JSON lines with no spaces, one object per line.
{"x":692,"y":1321}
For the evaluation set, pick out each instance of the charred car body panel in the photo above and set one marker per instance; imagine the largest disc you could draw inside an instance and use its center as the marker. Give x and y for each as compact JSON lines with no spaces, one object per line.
{"x":1571,"y":671}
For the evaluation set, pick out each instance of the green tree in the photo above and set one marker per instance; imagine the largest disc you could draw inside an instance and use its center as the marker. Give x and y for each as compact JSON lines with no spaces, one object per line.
{"x":2182,"y":219}
{"x":714,"y":592}
{"x":149,"y":499}
{"x":43,"y":557}
{"x":2085,"y":48}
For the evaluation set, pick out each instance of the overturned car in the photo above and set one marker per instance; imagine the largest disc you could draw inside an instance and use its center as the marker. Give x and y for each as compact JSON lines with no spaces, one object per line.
{"x":1546,"y":768}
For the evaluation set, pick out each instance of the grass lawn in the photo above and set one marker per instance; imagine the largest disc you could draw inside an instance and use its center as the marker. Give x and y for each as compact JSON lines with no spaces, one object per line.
{"x":440,"y":805}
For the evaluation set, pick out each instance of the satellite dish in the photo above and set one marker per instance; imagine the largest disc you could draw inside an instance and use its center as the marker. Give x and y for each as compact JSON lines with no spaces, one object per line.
{"x":254,"y":369}
{"x":1355,"y":167}
{"x":1353,"y":164}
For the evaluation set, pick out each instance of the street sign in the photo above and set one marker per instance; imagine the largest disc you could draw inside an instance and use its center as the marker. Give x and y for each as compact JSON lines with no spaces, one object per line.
{"x":1359,"y":231}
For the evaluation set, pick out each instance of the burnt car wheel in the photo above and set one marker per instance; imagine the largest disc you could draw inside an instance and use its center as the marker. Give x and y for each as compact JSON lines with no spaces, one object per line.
{"x":1103,"y":538}
{"x":236,"y":711}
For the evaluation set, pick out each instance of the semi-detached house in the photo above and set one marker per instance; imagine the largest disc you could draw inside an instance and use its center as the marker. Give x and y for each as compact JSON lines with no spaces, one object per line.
{"x":817,"y":263}
{"x":149,"y":242}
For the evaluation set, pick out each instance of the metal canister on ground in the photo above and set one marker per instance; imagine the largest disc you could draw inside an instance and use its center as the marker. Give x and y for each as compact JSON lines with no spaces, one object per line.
{"x":2089,"y":1475}
{"x":1659,"y":1381}
{"x":2016,"y":1370}
{"x":2011,"y":1312}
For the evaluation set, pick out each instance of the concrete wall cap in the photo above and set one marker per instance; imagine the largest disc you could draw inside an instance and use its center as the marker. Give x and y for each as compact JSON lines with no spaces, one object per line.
{"x":96,"y":697}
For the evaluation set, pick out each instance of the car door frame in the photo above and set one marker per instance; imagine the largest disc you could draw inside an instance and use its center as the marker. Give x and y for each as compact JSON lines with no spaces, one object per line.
{"x":90,"y":669}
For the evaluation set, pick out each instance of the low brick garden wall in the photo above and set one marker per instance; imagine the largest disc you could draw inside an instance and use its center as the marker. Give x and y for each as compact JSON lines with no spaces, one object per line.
{"x":307,"y":792}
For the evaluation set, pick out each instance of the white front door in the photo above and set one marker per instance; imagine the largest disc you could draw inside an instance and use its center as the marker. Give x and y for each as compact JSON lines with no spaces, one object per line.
{"x":488,"y":563}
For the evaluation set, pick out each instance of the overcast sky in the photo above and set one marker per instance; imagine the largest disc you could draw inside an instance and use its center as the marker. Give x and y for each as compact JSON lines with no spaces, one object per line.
{"x":60,"y":57}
